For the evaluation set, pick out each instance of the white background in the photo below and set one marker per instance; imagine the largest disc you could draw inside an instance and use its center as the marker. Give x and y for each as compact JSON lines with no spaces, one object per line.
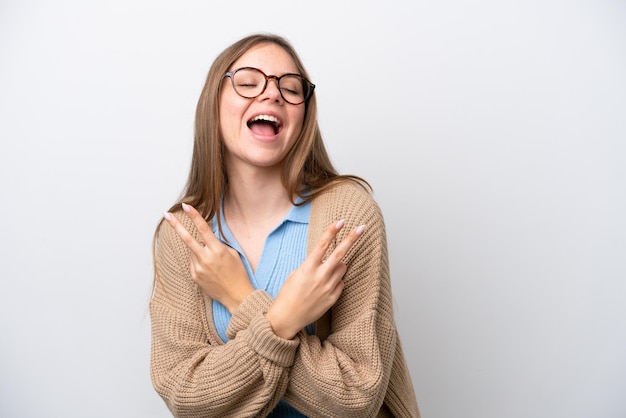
{"x":493,"y":133}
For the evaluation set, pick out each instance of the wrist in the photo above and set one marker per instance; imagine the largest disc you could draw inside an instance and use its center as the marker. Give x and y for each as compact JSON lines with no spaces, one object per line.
{"x":279,"y":326}
{"x":233,"y":301}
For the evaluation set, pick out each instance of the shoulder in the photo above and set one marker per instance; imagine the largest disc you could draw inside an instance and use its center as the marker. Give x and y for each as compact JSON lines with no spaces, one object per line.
{"x":344,"y":200}
{"x":347,"y":201}
{"x":167,"y":240}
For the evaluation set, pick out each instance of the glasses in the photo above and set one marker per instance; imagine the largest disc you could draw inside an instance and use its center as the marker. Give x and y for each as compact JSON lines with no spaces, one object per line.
{"x":250,"y":82}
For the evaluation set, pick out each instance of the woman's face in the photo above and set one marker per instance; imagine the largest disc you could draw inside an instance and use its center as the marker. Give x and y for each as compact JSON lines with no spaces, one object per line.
{"x":259,"y":132}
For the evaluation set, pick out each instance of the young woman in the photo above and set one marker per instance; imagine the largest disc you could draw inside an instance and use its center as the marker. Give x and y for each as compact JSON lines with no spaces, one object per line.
{"x":272,"y":294}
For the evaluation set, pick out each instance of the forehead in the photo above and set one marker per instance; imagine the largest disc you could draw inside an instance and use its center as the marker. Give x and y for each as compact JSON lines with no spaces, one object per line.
{"x":267,"y":57}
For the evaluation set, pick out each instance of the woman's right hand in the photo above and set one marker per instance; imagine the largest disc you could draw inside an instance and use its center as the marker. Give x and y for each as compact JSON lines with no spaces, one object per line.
{"x":215,"y":267}
{"x":314,"y":287}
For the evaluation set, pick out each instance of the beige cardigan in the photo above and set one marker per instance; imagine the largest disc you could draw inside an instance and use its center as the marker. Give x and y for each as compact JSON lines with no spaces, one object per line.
{"x":353,"y":367}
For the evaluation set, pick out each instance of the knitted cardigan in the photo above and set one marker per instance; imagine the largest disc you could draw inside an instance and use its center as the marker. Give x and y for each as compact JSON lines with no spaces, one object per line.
{"x":353,"y":367}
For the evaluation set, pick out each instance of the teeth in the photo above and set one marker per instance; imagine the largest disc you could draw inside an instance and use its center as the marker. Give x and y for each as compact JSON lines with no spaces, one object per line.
{"x":267,"y":118}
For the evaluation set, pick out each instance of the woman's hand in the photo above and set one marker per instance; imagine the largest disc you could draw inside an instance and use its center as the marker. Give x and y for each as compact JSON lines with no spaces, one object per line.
{"x":215,"y":267}
{"x":314,"y":287}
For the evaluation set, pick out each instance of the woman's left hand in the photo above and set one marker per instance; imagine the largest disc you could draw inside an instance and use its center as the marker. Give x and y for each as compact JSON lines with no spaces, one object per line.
{"x":315,"y":286}
{"x":215,"y":267}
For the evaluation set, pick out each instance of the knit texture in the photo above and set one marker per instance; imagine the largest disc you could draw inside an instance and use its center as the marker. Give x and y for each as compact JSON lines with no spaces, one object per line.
{"x":357,"y":370}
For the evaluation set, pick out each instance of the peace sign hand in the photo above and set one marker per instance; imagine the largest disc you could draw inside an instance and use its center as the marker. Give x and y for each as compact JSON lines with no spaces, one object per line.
{"x":314,"y":287}
{"x":215,"y":267}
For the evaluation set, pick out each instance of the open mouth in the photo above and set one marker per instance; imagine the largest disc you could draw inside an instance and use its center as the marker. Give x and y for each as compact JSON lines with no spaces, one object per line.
{"x":264,"y":125}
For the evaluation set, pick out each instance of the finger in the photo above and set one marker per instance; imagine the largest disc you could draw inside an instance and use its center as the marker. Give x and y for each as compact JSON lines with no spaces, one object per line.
{"x":336,"y":283}
{"x":327,"y":237}
{"x":334,"y":295}
{"x":182,"y":232}
{"x":344,"y":246}
{"x":206,"y":232}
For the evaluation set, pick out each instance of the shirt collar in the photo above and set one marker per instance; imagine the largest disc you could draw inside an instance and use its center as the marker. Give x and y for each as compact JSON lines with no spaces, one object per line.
{"x":299,"y":213}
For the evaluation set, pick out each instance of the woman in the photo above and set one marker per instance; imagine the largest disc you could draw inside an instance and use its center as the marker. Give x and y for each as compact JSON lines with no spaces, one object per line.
{"x":272,"y":293}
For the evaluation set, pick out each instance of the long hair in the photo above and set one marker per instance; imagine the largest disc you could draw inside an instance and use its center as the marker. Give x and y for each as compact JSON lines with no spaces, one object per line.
{"x":307,"y":169}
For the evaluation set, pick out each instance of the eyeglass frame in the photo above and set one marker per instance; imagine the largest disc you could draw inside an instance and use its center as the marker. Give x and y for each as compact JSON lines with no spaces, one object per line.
{"x":309,"y":93}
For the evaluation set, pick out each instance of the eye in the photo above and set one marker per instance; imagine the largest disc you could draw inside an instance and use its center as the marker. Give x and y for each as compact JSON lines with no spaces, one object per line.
{"x":246,"y":82}
{"x":291,"y":85}
{"x":290,"y":91}
{"x":248,"y":79}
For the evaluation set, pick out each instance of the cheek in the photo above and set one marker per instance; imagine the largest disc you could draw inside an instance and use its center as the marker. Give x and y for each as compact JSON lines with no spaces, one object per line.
{"x":298,"y":117}
{"x":228,"y":119}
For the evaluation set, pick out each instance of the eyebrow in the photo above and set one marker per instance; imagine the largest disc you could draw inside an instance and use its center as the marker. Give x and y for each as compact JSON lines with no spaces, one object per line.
{"x":265,"y":72}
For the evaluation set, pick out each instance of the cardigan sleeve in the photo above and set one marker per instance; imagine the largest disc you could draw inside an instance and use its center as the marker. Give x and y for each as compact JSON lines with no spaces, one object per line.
{"x":348,"y":374}
{"x":194,"y":373}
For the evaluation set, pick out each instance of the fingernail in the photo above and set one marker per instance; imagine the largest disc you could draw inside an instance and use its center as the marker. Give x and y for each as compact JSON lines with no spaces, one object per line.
{"x":186,"y":207}
{"x":340,"y":224}
{"x":359,"y":230}
{"x":167,"y":216}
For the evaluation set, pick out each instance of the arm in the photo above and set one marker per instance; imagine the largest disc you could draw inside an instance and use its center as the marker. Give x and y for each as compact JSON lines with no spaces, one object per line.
{"x":193,"y":373}
{"x":347,"y":375}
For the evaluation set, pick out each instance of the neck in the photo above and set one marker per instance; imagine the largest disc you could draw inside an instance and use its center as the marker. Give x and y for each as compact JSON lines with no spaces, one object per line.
{"x":256,"y":198}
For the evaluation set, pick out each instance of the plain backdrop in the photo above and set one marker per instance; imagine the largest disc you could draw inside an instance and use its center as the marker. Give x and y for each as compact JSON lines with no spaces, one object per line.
{"x":493,"y":133}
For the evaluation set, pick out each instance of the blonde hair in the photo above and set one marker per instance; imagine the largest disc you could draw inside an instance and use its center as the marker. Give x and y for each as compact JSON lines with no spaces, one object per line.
{"x":307,"y":169}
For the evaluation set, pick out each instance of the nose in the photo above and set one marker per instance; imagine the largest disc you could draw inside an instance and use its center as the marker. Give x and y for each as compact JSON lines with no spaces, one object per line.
{"x":271,"y":91}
